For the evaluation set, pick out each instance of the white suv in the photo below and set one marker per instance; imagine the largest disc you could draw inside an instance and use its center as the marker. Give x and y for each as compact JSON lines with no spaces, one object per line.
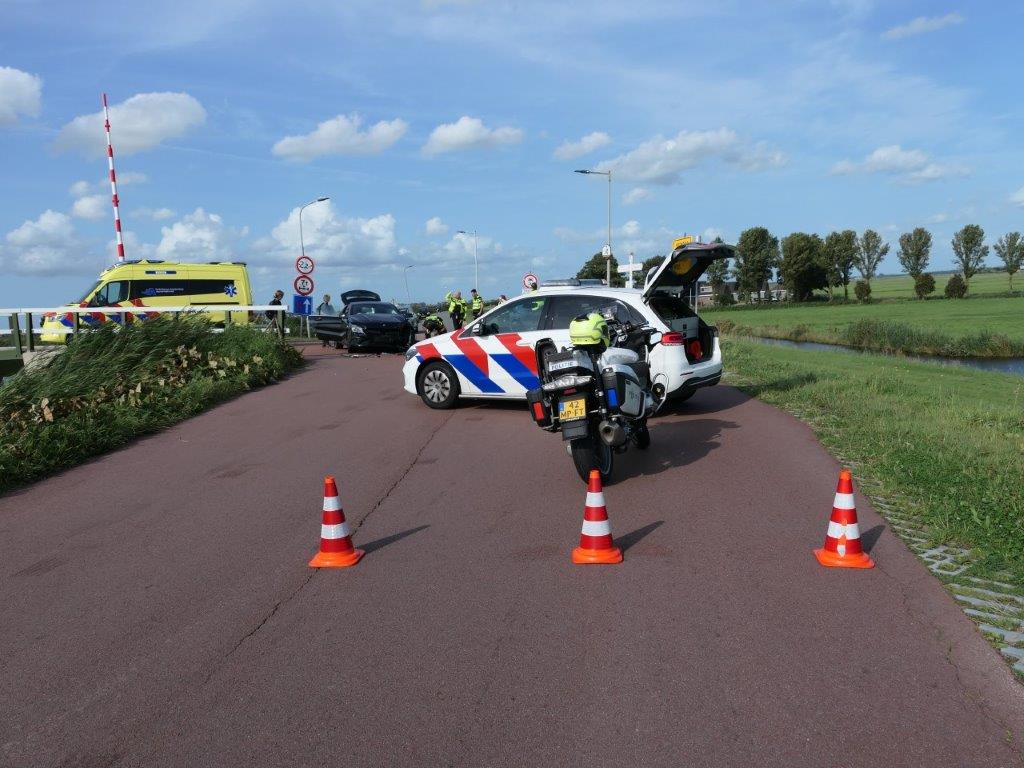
{"x":494,"y":356}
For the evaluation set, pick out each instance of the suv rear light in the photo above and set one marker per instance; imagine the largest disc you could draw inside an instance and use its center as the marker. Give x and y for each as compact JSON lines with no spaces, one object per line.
{"x":673,"y":339}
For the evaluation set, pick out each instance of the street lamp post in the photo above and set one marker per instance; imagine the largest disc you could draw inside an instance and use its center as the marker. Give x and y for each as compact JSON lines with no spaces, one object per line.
{"x":302,"y":246}
{"x":476,"y":263}
{"x":608,"y":261}
{"x":408,"y":295}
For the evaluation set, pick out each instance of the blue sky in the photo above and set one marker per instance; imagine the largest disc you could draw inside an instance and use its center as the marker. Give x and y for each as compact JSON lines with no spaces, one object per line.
{"x":422,"y":118}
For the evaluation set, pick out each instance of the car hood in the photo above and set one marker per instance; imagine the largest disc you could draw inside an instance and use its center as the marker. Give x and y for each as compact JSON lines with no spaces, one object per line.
{"x":379,"y":321}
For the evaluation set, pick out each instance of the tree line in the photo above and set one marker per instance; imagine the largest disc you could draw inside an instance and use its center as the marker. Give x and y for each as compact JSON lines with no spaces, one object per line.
{"x":807,"y":262}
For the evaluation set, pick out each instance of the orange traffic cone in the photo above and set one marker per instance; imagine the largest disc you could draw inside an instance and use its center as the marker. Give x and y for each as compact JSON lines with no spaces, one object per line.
{"x":596,"y":537}
{"x":336,"y":550}
{"x":842,"y":541}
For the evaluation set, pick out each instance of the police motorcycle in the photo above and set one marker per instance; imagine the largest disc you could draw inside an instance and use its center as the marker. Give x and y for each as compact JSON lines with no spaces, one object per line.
{"x":597,"y":392}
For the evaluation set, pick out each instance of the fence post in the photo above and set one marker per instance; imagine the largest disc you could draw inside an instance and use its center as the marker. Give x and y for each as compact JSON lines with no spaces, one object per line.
{"x":16,"y":332}
{"x":74,"y":323}
{"x":31,"y":337}
{"x":280,"y":322}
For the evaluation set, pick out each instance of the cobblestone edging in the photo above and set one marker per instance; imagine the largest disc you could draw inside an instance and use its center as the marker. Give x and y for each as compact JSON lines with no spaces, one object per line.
{"x":995,"y":606}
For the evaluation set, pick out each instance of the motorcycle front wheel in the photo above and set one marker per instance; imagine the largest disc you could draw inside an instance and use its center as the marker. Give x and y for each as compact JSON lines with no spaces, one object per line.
{"x":588,"y":453}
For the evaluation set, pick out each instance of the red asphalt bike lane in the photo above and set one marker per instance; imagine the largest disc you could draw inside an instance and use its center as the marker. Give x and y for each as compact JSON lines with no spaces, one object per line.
{"x":156,"y":608}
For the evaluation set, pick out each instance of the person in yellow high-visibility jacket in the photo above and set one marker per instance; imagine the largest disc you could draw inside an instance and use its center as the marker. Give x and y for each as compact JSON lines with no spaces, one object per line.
{"x":456,"y":308}
{"x":476,"y":304}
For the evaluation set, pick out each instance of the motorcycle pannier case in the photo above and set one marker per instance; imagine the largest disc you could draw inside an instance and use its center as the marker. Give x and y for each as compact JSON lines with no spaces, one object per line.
{"x":538,"y":408}
{"x":622,"y":393}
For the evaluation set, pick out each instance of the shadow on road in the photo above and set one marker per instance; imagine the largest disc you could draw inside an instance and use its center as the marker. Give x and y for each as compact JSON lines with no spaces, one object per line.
{"x":373,"y":546}
{"x":870,"y":537}
{"x":634,"y":537}
{"x":673,"y":444}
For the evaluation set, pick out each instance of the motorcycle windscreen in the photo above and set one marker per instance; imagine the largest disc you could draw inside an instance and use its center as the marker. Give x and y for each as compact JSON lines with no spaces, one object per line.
{"x":681,"y":270}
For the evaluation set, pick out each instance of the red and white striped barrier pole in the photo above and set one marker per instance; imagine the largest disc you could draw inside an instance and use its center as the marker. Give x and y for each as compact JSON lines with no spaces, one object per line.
{"x":113,"y":183}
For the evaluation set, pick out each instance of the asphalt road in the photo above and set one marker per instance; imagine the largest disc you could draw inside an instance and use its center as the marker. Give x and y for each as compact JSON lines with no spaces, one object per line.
{"x":156,"y":608}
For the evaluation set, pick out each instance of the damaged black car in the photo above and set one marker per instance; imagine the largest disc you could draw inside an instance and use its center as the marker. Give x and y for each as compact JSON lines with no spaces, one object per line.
{"x":365,"y":322}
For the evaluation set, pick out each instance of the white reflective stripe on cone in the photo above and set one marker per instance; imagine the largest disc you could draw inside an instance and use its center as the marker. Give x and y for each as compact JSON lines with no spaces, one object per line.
{"x":841,"y":549}
{"x":338,"y":531}
{"x":595,"y":499}
{"x":332,"y":503}
{"x":596,"y":528}
{"x":850,"y":530}
{"x":843,"y":501}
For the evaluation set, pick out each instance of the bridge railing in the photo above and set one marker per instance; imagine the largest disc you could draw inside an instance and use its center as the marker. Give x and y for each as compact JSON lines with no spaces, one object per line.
{"x":29,"y":330}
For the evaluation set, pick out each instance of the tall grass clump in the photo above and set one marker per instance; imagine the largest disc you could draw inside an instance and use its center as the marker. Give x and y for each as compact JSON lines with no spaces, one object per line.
{"x":899,"y":338}
{"x":117,"y":383}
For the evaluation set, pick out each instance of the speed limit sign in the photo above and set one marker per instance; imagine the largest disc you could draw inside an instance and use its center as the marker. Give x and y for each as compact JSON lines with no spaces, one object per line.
{"x":530,"y":281}
{"x":304,"y":285}
{"x":304,"y":265}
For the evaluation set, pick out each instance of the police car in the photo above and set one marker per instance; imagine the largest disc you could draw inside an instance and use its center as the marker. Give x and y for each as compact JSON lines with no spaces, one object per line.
{"x":493,"y":357}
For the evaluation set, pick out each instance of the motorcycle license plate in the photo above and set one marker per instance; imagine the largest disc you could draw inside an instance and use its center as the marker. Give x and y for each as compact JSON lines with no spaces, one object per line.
{"x":572,"y":409}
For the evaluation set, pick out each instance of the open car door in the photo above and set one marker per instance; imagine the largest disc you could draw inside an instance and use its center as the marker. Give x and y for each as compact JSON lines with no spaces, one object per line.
{"x":680,"y":271}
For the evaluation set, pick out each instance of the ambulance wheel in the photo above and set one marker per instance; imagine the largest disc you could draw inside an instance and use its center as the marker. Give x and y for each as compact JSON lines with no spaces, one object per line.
{"x":437,"y":385}
{"x":588,"y":453}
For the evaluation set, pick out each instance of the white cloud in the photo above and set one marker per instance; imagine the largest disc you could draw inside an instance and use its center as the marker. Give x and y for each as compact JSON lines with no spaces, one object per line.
{"x":80,"y":189}
{"x":142,"y":122}
{"x":156,"y":214}
{"x":435,"y":226}
{"x":127,"y":178}
{"x":635,"y":195}
{"x":91,"y":207}
{"x":469,"y":133}
{"x":570,"y":150}
{"x":341,"y":136}
{"x":198,"y":236}
{"x":46,"y":246}
{"x":937,"y":218}
{"x":663,"y":161}
{"x":20,"y":94}
{"x":1017,"y":198}
{"x":907,"y":165}
{"x":334,"y":240}
{"x":922,"y":25}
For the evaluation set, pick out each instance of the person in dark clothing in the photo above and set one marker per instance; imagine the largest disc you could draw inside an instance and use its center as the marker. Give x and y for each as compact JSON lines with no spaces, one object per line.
{"x":273,"y":314}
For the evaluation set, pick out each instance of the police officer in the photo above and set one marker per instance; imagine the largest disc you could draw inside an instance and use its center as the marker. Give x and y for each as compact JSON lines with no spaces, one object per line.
{"x":476,"y":304}
{"x":456,"y":308}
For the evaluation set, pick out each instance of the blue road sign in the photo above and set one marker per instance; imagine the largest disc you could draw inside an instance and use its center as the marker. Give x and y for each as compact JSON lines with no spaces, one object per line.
{"x":302,"y":305}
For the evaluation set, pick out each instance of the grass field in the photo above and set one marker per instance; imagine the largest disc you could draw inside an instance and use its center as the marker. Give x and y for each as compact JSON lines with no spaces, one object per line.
{"x":963,"y":324}
{"x":902,"y":286}
{"x":944,"y":444}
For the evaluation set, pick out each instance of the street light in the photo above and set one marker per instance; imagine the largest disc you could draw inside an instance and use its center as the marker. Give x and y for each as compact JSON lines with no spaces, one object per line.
{"x":302,"y":244}
{"x":476,"y":264}
{"x":609,"y":175}
{"x":408,"y":295}
{"x":302,"y":248}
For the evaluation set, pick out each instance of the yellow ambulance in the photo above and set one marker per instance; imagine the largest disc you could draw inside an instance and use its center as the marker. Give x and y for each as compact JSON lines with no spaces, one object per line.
{"x":150,"y":283}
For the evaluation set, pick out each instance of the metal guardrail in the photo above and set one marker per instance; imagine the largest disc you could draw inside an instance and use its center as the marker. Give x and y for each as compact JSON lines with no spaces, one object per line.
{"x":14,"y":314}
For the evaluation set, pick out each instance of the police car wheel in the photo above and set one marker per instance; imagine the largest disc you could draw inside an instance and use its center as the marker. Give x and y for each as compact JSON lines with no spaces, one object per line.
{"x":437,"y":385}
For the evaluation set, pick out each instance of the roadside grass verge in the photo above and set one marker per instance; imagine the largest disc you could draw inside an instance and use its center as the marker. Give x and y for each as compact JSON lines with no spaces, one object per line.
{"x":953,"y":317}
{"x":945,"y":445}
{"x":113,"y":385}
{"x":889,"y":337}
